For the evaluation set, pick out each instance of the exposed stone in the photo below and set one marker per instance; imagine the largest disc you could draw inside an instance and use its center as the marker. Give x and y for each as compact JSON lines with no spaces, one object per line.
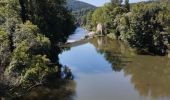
{"x":99,"y":29}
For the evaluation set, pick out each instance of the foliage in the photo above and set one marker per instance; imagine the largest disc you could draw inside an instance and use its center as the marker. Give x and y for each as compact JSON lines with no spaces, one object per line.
{"x":79,"y":10}
{"x":144,"y":26}
{"x":146,"y":30}
{"x":37,"y":71}
{"x":38,"y":43}
{"x":30,"y":30}
{"x":95,"y":16}
{"x":29,"y":56}
{"x":116,"y":2}
{"x":108,"y":17}
{"x":80,"y":15}
{"x":4,"y":49}
{"x":88,"y":19}
{"x":51,"y":16}
{"x":127,"y":5}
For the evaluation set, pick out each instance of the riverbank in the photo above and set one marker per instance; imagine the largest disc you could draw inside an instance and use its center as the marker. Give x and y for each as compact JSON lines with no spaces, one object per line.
{"x":82,"y":35}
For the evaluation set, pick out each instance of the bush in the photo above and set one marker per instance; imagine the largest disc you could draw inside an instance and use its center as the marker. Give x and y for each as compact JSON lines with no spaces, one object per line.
{"x":4,"y":48}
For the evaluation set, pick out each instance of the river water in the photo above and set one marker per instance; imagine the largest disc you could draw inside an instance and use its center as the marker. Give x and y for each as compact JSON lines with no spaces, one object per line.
{"x":78,"y":35}
{"x":106,"y":69}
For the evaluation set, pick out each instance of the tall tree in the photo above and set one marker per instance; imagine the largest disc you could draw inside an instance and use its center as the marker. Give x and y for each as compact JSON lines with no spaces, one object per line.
{"x":23,"y":10}
{"x":116,"y":2}
{"x":10,"y":10}
{"x":127,"y":5}
{"x":51,"y":16}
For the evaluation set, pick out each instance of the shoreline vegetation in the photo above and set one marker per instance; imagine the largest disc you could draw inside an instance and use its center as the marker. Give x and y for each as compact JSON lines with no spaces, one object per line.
{"x":31,"y":32}
{"x":144,"y":25}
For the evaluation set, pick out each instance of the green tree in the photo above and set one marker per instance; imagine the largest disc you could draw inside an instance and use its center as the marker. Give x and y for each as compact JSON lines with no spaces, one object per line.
{"x":53,"y":20}
{"x":114,"y":16}
{"x":127,"y":5}
{"x":10,"y":14}
{"x":96,"y":19}
{"x":30,"y":55}
{"x":116,"y":2}
{"x":30,"y":31}
{"x":146,"y":31}
{"x":4,"y":49}
{"x":88,"y":20}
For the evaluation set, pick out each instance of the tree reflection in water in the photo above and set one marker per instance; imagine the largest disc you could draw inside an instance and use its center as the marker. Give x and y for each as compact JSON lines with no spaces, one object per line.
{"x":114,"y":52}
{"x":150,"y":75}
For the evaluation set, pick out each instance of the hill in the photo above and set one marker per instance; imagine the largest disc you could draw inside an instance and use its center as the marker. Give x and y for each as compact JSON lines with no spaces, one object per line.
{"x":79,"y":10}
{"x":76,"y":5}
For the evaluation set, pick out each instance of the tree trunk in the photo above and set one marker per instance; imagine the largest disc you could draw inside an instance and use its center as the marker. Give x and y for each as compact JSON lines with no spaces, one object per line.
{"x":55,"y":50}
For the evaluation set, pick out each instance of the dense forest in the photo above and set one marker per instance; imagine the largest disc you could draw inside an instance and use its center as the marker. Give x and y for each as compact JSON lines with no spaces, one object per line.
{"x":30,"y":32}
{"x":145,"y":26}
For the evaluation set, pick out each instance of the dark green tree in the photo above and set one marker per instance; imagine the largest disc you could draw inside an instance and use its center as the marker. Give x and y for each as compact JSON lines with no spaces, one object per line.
{"x":147,"y":32}
{"x":127,"y":5}
{"x":52,"y":18}
{"x":116,"y":2}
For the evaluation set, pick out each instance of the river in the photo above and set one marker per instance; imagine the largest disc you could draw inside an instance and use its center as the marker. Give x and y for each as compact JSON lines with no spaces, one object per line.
{"x":78,"y":35}
{"x":106,"y":69}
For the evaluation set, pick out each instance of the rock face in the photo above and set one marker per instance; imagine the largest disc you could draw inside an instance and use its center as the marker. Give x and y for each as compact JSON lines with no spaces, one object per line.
{"x":100,"y":29}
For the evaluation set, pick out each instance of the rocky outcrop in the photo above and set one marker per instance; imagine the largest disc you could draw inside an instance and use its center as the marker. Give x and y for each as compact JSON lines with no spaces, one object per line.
{"x":100,"y":29}
{"x":91,"y":34}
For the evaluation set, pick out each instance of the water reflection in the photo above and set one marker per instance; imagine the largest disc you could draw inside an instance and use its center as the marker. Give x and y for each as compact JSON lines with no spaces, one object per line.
{"x":84,"y":59}
{"x":150,"y":75}
{"x":79,"y":34}
{"x":134,"y":77}
{"x":115,"y":52}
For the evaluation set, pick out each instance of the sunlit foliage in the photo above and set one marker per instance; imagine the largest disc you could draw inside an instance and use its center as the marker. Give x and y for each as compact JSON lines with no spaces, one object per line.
{"x":144,"y":26}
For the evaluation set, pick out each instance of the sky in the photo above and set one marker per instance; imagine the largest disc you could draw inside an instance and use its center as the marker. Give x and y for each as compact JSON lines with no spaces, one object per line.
{"x":101,"y":2}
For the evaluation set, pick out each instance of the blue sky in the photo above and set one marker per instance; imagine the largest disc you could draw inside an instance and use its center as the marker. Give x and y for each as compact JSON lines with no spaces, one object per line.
{"x":101,"y":2}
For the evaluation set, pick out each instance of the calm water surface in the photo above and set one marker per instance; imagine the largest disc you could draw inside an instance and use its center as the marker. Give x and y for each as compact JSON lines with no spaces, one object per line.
{"x":105,"y":69}
{"x":79,"y":34}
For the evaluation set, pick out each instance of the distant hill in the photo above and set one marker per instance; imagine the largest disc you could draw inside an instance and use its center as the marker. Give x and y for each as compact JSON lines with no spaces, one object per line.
{"x":76,"y":5}
{"x":79,"y":10}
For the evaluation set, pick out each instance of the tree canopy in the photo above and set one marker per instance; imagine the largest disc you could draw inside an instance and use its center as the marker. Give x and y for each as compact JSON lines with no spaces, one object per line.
{"x":144,"y":26}
{"x":30,"y":31}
